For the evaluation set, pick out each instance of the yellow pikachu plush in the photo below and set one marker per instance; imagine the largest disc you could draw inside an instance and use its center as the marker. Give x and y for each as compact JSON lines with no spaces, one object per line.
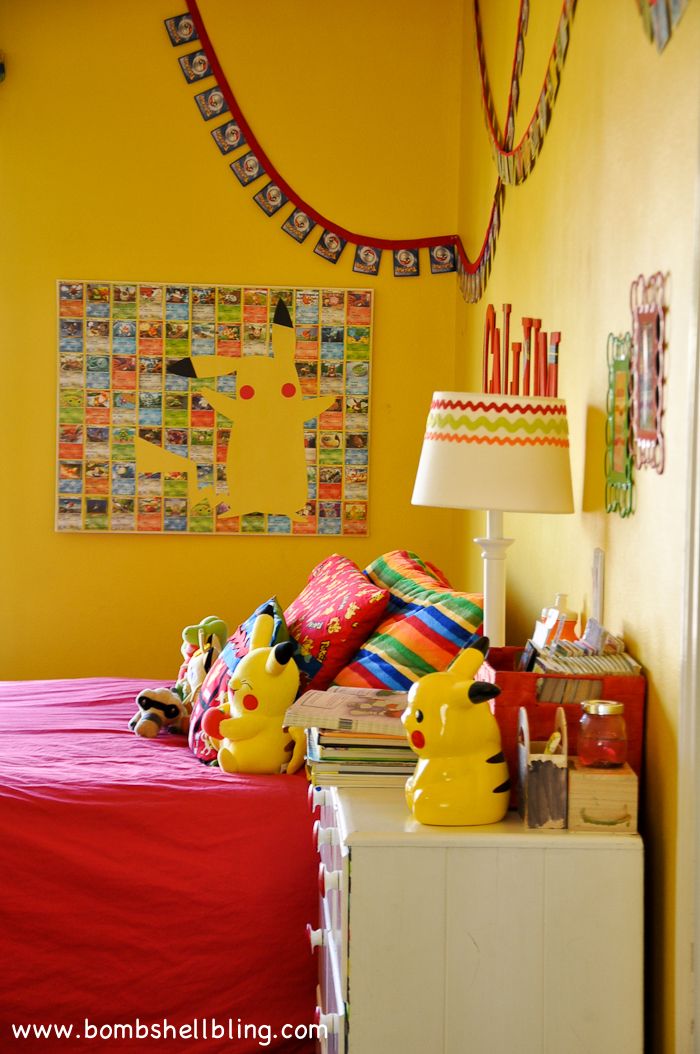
{"x":461,"y":778}
{"x":248,"y":727}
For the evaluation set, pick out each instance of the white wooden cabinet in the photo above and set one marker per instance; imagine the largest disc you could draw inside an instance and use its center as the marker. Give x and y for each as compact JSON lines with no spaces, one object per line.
{"x":497,"y":938}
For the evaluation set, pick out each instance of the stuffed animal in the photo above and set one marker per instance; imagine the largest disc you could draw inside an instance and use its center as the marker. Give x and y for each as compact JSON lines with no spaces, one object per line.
{"x":172,"y":707}
{"x":249,"y":725}
{"x":461,"y":777}
{"x":210,"y":630}
{"x":159,"y":708}
{"x":198,"y":665}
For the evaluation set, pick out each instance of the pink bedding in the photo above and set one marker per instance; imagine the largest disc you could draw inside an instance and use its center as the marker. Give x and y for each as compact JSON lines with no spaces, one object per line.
{"x":140,"y":888}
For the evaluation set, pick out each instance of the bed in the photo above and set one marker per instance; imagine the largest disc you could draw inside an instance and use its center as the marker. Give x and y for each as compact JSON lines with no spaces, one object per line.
{"x":142,"y":887}
{"x":147,"y":894}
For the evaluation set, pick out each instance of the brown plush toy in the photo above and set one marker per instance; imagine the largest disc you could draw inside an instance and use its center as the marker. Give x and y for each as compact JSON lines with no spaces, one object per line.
{"x":159,"y":708}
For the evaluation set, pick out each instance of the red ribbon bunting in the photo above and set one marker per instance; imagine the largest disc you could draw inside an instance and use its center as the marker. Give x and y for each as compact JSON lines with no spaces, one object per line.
{"x":514,"y":163}
{"x":447,"y":252}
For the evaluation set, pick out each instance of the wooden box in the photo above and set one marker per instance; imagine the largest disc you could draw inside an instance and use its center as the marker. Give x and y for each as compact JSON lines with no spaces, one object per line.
{"x":602,"y":800}
{"x":541,"y":694}
{"x":542,"y":777}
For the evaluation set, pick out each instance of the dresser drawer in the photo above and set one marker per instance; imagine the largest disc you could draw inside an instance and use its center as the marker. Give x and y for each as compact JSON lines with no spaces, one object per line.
{"x":329,"y":941}
{"x":330,"y":1001}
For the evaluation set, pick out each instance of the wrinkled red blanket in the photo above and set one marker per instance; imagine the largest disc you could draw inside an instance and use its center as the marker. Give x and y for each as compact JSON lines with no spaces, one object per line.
{"x":140,"y":888}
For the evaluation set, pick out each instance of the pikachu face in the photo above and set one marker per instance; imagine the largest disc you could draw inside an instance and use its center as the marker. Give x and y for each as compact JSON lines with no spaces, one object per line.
{"x":266,"y":386}
{"x":264,"y":683}
{"x":432,"y":717}
{"x":445,"y":712}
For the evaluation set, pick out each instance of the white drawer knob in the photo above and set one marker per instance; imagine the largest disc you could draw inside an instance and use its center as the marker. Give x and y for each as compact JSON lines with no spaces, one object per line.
{"x":329,"y":1022}
{"x":329,"y":880}
{"x":325,"y":835}
{"x":317,"y":938}
{"x":317,"y":796}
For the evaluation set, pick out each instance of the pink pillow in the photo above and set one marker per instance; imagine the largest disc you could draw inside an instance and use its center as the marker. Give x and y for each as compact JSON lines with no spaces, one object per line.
{"x":332,"y":617}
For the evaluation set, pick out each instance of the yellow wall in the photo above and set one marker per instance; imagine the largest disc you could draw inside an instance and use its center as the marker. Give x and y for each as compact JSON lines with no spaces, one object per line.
{"x":612,"y":196}
{"x":108,"y":172}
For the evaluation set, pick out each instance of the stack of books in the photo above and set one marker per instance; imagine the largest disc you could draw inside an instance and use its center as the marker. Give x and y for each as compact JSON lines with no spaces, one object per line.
{"x":354,"y":737}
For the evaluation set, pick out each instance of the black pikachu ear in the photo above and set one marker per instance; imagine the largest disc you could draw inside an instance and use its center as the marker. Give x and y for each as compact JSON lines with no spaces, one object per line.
{"x":182,"y":368}
{"x":282,"y":316}
{"x":482,"y":645}
{"x":209,"y":657}
{"x":480,"y":691}
{"x":284,"y":651}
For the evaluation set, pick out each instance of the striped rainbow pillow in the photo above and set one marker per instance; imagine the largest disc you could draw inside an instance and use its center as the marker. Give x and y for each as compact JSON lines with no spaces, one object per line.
{"x":426,"y":625}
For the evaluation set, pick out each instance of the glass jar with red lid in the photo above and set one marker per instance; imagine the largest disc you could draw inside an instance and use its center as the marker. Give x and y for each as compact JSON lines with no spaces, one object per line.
{"x":602,"y":735}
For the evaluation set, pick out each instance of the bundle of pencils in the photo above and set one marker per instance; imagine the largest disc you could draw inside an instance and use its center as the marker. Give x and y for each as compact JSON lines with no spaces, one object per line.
{"x":534,"y":366}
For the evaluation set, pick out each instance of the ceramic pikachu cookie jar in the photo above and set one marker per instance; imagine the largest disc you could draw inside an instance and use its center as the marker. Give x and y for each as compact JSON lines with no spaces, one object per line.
{"x":249,"y":728}
{"x":461,"y":777}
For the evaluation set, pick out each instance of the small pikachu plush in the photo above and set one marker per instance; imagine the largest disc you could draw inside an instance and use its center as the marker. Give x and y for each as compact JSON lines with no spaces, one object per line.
{"x":248,"y":728}
{"x":461,"y":778}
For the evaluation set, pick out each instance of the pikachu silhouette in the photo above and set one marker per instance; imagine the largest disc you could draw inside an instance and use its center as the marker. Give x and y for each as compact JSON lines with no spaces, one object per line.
{"x":265,"y":460}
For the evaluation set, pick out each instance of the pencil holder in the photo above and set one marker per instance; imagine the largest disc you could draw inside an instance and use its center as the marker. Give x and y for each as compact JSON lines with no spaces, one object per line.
{"x":542,"y":774}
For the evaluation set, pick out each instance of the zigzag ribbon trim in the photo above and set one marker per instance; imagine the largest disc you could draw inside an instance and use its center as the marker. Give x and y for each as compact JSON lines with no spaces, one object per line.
{"x":514,"y":163}
{"x":509,"y":408}
{"x":443,"y":437}
{"x":473,"y":423}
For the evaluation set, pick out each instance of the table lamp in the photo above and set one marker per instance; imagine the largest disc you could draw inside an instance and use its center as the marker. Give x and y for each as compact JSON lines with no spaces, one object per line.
{"x":501,"y":453}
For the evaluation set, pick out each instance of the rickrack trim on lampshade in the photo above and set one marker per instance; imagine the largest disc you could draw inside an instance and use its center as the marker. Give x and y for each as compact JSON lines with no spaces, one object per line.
{"x":502,"y":452}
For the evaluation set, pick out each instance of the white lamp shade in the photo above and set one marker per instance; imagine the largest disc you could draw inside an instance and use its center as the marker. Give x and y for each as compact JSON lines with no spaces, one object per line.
{"x":495,"y":452}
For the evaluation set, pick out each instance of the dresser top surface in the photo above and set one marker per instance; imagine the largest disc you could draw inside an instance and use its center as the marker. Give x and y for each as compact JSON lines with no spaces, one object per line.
{"x":381,"y":817}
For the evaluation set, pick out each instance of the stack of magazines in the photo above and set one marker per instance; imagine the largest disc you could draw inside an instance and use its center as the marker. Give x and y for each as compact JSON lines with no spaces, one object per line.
{"x":354,"y":737}
{"x":558,"y":660}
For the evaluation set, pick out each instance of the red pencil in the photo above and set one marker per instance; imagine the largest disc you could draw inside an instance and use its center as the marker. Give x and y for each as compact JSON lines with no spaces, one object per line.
{"x":506,"y":346}
{"x":553,"y":365}
{"x":527,"y":327}
{"x":496,"y":355}
{"x":515,"y":383}
{"x":542,"y":361}
{"x":488,"y":329}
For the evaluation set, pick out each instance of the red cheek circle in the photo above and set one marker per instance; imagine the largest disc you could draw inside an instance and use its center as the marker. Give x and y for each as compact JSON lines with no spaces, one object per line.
{"x":288,"y":390}
{"x":247,"y":391}
{"x":418,"y":739}
{"x":250,"y":702}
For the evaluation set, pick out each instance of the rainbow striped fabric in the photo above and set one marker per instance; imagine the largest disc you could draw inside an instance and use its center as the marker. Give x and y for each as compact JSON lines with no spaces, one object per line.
{"x":427,"y":624}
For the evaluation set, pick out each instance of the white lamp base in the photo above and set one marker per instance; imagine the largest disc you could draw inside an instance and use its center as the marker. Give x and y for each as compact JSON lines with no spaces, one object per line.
{"x":493,"y":552}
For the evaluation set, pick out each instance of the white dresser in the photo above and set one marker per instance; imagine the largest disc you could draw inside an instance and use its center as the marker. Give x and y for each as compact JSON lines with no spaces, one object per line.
{"x":477,"y":939}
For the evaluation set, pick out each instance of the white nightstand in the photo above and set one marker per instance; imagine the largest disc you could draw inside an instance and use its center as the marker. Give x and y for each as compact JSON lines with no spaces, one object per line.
{"x":484,"y":939}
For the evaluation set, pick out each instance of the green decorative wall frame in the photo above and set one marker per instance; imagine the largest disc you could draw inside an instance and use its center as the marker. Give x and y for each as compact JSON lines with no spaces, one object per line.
{"x":619,"y":478}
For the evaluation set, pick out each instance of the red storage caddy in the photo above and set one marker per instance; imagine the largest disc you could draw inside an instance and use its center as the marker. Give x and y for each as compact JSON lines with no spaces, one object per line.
{"x":542,"y":693}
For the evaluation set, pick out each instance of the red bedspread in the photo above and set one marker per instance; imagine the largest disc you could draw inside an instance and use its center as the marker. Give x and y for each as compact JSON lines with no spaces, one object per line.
{"x":140,"y":888}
